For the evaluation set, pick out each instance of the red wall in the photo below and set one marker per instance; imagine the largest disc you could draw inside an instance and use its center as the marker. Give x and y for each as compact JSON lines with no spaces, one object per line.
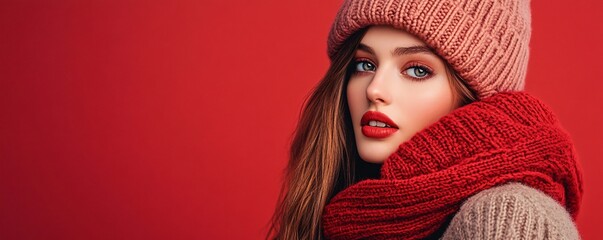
{"x":171,"y":119}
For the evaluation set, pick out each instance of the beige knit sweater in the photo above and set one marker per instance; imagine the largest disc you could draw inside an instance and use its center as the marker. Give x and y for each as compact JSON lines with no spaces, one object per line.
{"x":511,"y":211}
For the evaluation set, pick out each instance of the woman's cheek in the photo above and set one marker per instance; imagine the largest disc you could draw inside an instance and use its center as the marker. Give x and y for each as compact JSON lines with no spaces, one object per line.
{"x":429,"y":106}
{"x":356,"y":97}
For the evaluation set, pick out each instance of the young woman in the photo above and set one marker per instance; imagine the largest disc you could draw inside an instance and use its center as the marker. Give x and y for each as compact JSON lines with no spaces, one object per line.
{"x":419,"y":129}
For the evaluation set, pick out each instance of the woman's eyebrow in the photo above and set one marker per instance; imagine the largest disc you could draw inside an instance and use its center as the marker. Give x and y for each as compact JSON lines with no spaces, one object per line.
{"x":399,"y":50}
{"x":411,"y":50}
{"x":366,"y":48}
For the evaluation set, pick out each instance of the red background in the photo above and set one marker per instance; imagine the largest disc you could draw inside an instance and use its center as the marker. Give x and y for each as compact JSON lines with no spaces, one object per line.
{"x":171,"y":120}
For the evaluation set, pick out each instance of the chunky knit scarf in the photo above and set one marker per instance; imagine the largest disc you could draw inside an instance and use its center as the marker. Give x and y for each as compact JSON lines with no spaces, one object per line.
{"x":508,"y":137}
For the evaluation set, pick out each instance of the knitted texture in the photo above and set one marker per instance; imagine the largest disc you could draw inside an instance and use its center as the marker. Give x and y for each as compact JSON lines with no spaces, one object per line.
{"x":508,"y":137}
{"x":511,"y":211}
{"x":485,"y":41}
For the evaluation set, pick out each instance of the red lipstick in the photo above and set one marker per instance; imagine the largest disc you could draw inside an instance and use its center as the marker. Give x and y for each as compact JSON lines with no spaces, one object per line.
{"x":378,"y":131}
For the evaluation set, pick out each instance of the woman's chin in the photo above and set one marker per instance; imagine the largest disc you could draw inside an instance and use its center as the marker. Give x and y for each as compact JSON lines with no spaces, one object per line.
{"x":377,"y":151}
{"x":374,"y":158}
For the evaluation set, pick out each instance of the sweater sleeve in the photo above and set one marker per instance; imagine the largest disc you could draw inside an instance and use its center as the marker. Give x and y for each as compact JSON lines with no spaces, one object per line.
{"x":511,"y":211}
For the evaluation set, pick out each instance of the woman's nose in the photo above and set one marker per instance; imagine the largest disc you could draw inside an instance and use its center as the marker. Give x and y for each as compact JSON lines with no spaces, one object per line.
{"x":378,"y":91}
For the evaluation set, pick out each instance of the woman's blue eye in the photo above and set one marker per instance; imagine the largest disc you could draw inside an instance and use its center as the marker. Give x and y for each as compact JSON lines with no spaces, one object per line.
{"x":417,"y":72}
{"x":364,"y":66}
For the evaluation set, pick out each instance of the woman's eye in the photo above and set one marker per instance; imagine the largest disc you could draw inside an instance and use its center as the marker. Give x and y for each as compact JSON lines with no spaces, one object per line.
{"x":364,"y":66}
{"x":417,"y":72}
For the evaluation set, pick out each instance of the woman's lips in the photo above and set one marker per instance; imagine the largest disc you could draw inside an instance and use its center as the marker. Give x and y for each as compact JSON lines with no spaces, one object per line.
{"x":378,"y":120}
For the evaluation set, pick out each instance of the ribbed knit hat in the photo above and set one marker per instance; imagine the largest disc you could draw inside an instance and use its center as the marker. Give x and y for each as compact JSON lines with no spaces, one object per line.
{"x":485,"y":41}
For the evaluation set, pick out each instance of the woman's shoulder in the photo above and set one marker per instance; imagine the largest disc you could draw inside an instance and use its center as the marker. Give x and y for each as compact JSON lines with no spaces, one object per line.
{"x":511,"y":211}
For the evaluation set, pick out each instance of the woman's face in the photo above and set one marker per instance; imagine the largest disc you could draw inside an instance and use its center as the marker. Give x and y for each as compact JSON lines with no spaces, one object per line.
{"x":397,"y":88}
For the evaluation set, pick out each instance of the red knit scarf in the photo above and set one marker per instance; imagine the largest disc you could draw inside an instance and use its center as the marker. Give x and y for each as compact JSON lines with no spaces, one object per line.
{"x":509,"y":137}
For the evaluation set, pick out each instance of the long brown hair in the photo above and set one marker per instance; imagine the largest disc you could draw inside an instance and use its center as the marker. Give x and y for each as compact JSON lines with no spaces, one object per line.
{"x":320,"y":156}
{"x":323,"y":158}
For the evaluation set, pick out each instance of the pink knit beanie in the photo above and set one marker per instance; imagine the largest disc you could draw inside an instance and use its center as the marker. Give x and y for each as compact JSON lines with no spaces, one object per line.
{"x":485,"y":41}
